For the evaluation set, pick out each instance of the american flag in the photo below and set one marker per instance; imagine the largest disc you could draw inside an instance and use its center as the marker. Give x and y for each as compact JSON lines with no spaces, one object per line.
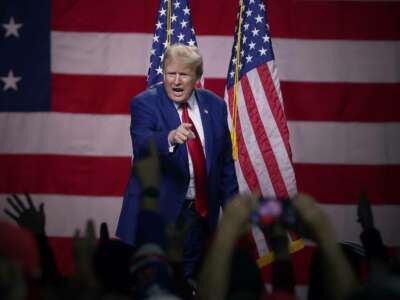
{"x":259,"y":126}
{"x":176,"y":22}
{"x":262,"y":136}
{"x":338,"y":65}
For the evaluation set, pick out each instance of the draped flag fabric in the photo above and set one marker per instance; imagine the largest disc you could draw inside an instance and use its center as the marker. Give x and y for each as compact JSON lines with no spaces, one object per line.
{"x":69,"y":69}
{"x":262,"y":136}
{"x":258,"y":121}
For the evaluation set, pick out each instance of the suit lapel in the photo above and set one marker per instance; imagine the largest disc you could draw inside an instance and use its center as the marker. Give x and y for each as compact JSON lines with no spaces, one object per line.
{"x":207,"y":129}
{"x":168,"y":109}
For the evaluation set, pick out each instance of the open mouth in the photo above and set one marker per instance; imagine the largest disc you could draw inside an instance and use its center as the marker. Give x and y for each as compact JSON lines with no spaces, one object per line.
{"x":177,"y":91}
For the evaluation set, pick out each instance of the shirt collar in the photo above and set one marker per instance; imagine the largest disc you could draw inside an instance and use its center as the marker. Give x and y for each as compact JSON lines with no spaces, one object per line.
{"x":191,"y":102}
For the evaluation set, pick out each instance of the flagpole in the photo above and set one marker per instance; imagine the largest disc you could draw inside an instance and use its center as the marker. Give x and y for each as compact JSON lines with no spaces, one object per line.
{"x":236,"y":84}
{"x":169,"y":12}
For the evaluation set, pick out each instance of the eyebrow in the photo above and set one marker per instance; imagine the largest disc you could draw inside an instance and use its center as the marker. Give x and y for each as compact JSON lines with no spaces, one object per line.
{"x":181,"y":73}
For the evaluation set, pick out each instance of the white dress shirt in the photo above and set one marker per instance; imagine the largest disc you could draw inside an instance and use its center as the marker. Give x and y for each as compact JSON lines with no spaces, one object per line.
{"x":194,"y":114}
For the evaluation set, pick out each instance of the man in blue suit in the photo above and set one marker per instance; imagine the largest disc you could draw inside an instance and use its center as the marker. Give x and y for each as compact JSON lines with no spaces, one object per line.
{"x":189,"y":127}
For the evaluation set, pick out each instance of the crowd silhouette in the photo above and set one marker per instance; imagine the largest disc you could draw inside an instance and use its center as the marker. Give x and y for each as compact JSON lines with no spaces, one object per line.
{"x":106,"y":268}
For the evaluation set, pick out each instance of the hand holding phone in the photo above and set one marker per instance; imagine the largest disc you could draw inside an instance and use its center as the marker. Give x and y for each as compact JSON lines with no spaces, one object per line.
{"x":272,"y":210}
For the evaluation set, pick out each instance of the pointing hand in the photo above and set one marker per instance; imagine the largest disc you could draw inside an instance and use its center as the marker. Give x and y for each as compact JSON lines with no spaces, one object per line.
{"x":181,"y":134}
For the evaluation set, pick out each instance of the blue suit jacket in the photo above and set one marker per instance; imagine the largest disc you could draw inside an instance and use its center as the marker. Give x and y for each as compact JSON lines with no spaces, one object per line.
{"x":154,"y":116}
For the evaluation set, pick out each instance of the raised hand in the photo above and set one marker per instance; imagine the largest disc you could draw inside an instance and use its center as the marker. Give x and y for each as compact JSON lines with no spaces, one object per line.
{"x":147,"y":169}
{"x":83,"y":248}
{"x":364,"y":213}
{"x":236,"y":217}
{"x":104,"y":234}
{"x":26,"y":215}
{"x":314,"y":222}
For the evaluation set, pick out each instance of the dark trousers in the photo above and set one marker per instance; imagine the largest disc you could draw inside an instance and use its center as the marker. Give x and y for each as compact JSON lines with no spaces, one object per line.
{"x":195,"y":240}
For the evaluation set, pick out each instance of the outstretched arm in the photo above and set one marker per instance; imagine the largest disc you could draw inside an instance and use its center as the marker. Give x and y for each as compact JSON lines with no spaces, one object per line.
{"x":316,"y":224}
{"x":214,"y":276}
{"x":33,"y":218}
{"x":370,"y":236}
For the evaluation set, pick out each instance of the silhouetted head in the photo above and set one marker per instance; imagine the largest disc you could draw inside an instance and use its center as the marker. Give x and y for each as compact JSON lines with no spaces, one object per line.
{"x":111,"y":265}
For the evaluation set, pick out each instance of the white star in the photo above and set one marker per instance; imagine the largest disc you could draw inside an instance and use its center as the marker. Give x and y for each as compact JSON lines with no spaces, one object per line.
{"x":155,"y":38}
{"x":251,"y":2}
{"x":161,"y":57}
{"x":244,"y":39}
{"x":171,"y":31}
{"x":255,"y":31}
{"x":240,"y":66}
{"x":232,"y":74}
{"x":246,"y":26}
{"x":152,"y":51}
{"x":248,"y":58}
{"x":12,"y":28}
{"x":259,"y":19}
{"x":266,"y":38}
{"x":242,"y":52}
{"x":252,"y":45}
{"x":159,"y":25}
{"x":10,"y":82}
{"x":173,"y":18}
{"x":177,"y":4}
{"x":193,"y":30}
{"x":159,"y":70}
{"x":165,"y":44}
{"x":262,"y":51}
{"x":162,"y":12}
{"x":234,"y":60}
{"x":181,"y":36}
{"x":186,"y":10}
{"x":262,"y":6}
{"x":184,"y":24}
{"x":191,"y":42}
{"x":249,"y":12}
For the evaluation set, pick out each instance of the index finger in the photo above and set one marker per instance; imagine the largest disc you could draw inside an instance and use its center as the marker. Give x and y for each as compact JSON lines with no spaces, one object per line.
{"x":19,"y":202}
{"x":90,"y":232}
{"x":29,"y":200}
{"x":186,"y":125}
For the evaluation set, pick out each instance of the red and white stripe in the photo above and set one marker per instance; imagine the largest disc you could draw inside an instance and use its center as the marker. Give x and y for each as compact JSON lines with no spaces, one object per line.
{"x":264,"y":155}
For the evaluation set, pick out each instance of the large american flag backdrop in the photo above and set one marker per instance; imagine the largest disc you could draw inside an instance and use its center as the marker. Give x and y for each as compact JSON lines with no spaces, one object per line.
{"x":68,"y":70}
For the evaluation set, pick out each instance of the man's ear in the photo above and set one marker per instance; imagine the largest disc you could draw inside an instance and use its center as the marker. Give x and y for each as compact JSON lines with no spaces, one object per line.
{"x":200,"y":82}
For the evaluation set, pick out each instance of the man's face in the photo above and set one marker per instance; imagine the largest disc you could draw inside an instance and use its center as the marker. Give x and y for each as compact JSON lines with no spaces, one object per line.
{"x":179,"y":80}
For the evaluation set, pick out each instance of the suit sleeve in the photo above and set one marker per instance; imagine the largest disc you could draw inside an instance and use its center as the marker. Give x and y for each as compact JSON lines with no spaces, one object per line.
{"x":145,"y":125}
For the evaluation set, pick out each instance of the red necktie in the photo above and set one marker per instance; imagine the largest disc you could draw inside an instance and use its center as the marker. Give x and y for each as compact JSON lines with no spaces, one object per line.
{"x":199,"y":165}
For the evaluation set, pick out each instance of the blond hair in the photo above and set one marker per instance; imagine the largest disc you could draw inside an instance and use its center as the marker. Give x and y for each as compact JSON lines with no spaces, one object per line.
{"x":189,"y":55}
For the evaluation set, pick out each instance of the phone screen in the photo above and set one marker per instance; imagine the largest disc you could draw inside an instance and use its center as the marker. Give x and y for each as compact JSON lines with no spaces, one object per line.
{"x":272,"y":209}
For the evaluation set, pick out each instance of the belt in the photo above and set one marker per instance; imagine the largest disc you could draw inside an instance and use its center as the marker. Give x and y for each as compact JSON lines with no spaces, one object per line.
{"x":189,"y":204}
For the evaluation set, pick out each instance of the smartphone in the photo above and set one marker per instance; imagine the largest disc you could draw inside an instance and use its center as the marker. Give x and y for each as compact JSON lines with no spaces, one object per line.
{"x":272,"y":209}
